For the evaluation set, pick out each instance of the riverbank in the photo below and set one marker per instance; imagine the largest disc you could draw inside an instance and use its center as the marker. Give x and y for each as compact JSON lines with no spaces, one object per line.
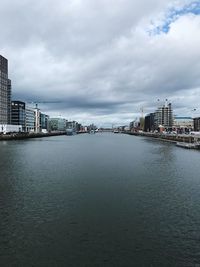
{"x":20,"y":136}
{"x":174,"y":138}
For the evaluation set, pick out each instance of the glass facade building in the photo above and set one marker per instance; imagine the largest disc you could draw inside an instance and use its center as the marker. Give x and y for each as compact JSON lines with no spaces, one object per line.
{"x":57,"y":124}
{"x":18,"y":116}
{"x":30,"y":120}
{"x":44,"y":122}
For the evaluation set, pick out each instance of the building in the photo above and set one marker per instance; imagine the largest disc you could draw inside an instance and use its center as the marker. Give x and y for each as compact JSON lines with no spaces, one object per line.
{"x":5,"y":92}
{"x":36,"y":121}
{"x":79,"y":127}
{"x":44,"y":122}
{"x":18,"y":114}
{"x":37,"y":127}
{"x":134,"y":125}
{"x":183,"y":124}
{"x":57,"y":124}
{"x":30,"y":120}
{"x":149,"y":123}
{"x":164,"y":117}
{"x":72,"y":125}
{"x":196,"y":124}
{"x":9,"y":100}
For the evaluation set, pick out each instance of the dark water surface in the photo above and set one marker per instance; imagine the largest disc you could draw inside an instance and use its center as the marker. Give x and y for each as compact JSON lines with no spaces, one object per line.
{"x":98,"y":200}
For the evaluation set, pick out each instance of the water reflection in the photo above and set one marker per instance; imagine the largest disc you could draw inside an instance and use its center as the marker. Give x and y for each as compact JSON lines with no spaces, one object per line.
{"x":100,"y":200}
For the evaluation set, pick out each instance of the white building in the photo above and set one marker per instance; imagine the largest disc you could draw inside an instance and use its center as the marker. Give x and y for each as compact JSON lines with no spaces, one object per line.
{"x":183,"y":122}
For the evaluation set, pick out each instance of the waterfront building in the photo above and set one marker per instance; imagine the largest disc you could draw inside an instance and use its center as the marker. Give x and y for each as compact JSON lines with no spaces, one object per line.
{"x":37,"y":127}
{"x":44,"y":122}
{"x":18,"y":115}
{"x":5,"y":92}
{"x":92,"y":127}
{"x":149,"y":124}
{"x":183,"y":124}
{"x":57,"y":124}
{"x":196,"y":124}
{"x":79,"y":127}
{"x":9,"y":100}
{"x":72,"y":125}
{"x":30,"y":120}
{"x":134,"y":125}
{"x":164,"y":116}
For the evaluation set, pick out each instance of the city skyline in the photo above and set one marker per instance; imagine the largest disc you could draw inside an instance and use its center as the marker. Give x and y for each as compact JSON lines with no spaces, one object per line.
{"x":103,"y":62}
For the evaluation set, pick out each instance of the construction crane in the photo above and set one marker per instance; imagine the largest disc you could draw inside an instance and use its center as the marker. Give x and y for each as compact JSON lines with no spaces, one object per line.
{"x":42,"y":102}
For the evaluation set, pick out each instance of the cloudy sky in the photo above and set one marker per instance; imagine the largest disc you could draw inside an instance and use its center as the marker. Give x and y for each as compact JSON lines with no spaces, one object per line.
{"x":103,"y":61}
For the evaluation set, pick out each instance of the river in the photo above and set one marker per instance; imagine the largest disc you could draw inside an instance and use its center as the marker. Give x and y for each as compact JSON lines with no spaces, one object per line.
{"x":98,"y":200}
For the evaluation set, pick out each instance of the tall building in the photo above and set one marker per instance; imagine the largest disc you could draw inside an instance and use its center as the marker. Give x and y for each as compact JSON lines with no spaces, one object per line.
{"x":9,"y":101}
{"x":164,"y":116}
{"x":5,"y":92}
{"x":149,"y":124}
{"x":18,"y":116}
{"x":37,"y":120}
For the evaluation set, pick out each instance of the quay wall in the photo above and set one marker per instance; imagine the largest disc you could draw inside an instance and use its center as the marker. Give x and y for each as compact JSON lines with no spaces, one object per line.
{"x":168,"y":137}
{"x":21,"y":136}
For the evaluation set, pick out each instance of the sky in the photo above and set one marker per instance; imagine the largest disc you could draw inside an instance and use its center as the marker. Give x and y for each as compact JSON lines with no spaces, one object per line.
{"x":103,"y":61}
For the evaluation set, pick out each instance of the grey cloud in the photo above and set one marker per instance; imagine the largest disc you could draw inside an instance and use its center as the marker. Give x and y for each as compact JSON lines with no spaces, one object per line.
{"x":97,"y":58}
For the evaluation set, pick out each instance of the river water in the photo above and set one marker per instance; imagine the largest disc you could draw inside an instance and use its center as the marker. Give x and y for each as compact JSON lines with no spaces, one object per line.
{"x":99,"y":200}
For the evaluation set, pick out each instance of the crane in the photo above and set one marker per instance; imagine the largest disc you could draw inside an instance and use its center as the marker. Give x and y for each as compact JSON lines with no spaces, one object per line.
{"x":43,"y":102}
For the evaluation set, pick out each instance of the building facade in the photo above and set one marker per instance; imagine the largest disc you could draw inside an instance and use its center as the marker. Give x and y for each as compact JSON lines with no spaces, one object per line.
{"x":164,"y":116}
{"x":196,"y":124}
{"x":183,"y":124}
{"x":18,"y":115}
{"x":57,"y":124}
{"x":5,"y":92}
{"x":37,"y":120}
{"x":30,"y":120}
{"x":149,"y":124}
{"x":134,"y":125}
{"x":44,"y":122}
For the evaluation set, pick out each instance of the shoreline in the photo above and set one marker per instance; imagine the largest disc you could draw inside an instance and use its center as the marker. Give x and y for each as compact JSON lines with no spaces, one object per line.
{"x":23,"y":136}
{"x":161,"y":137}
{"x":167,"y":137}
